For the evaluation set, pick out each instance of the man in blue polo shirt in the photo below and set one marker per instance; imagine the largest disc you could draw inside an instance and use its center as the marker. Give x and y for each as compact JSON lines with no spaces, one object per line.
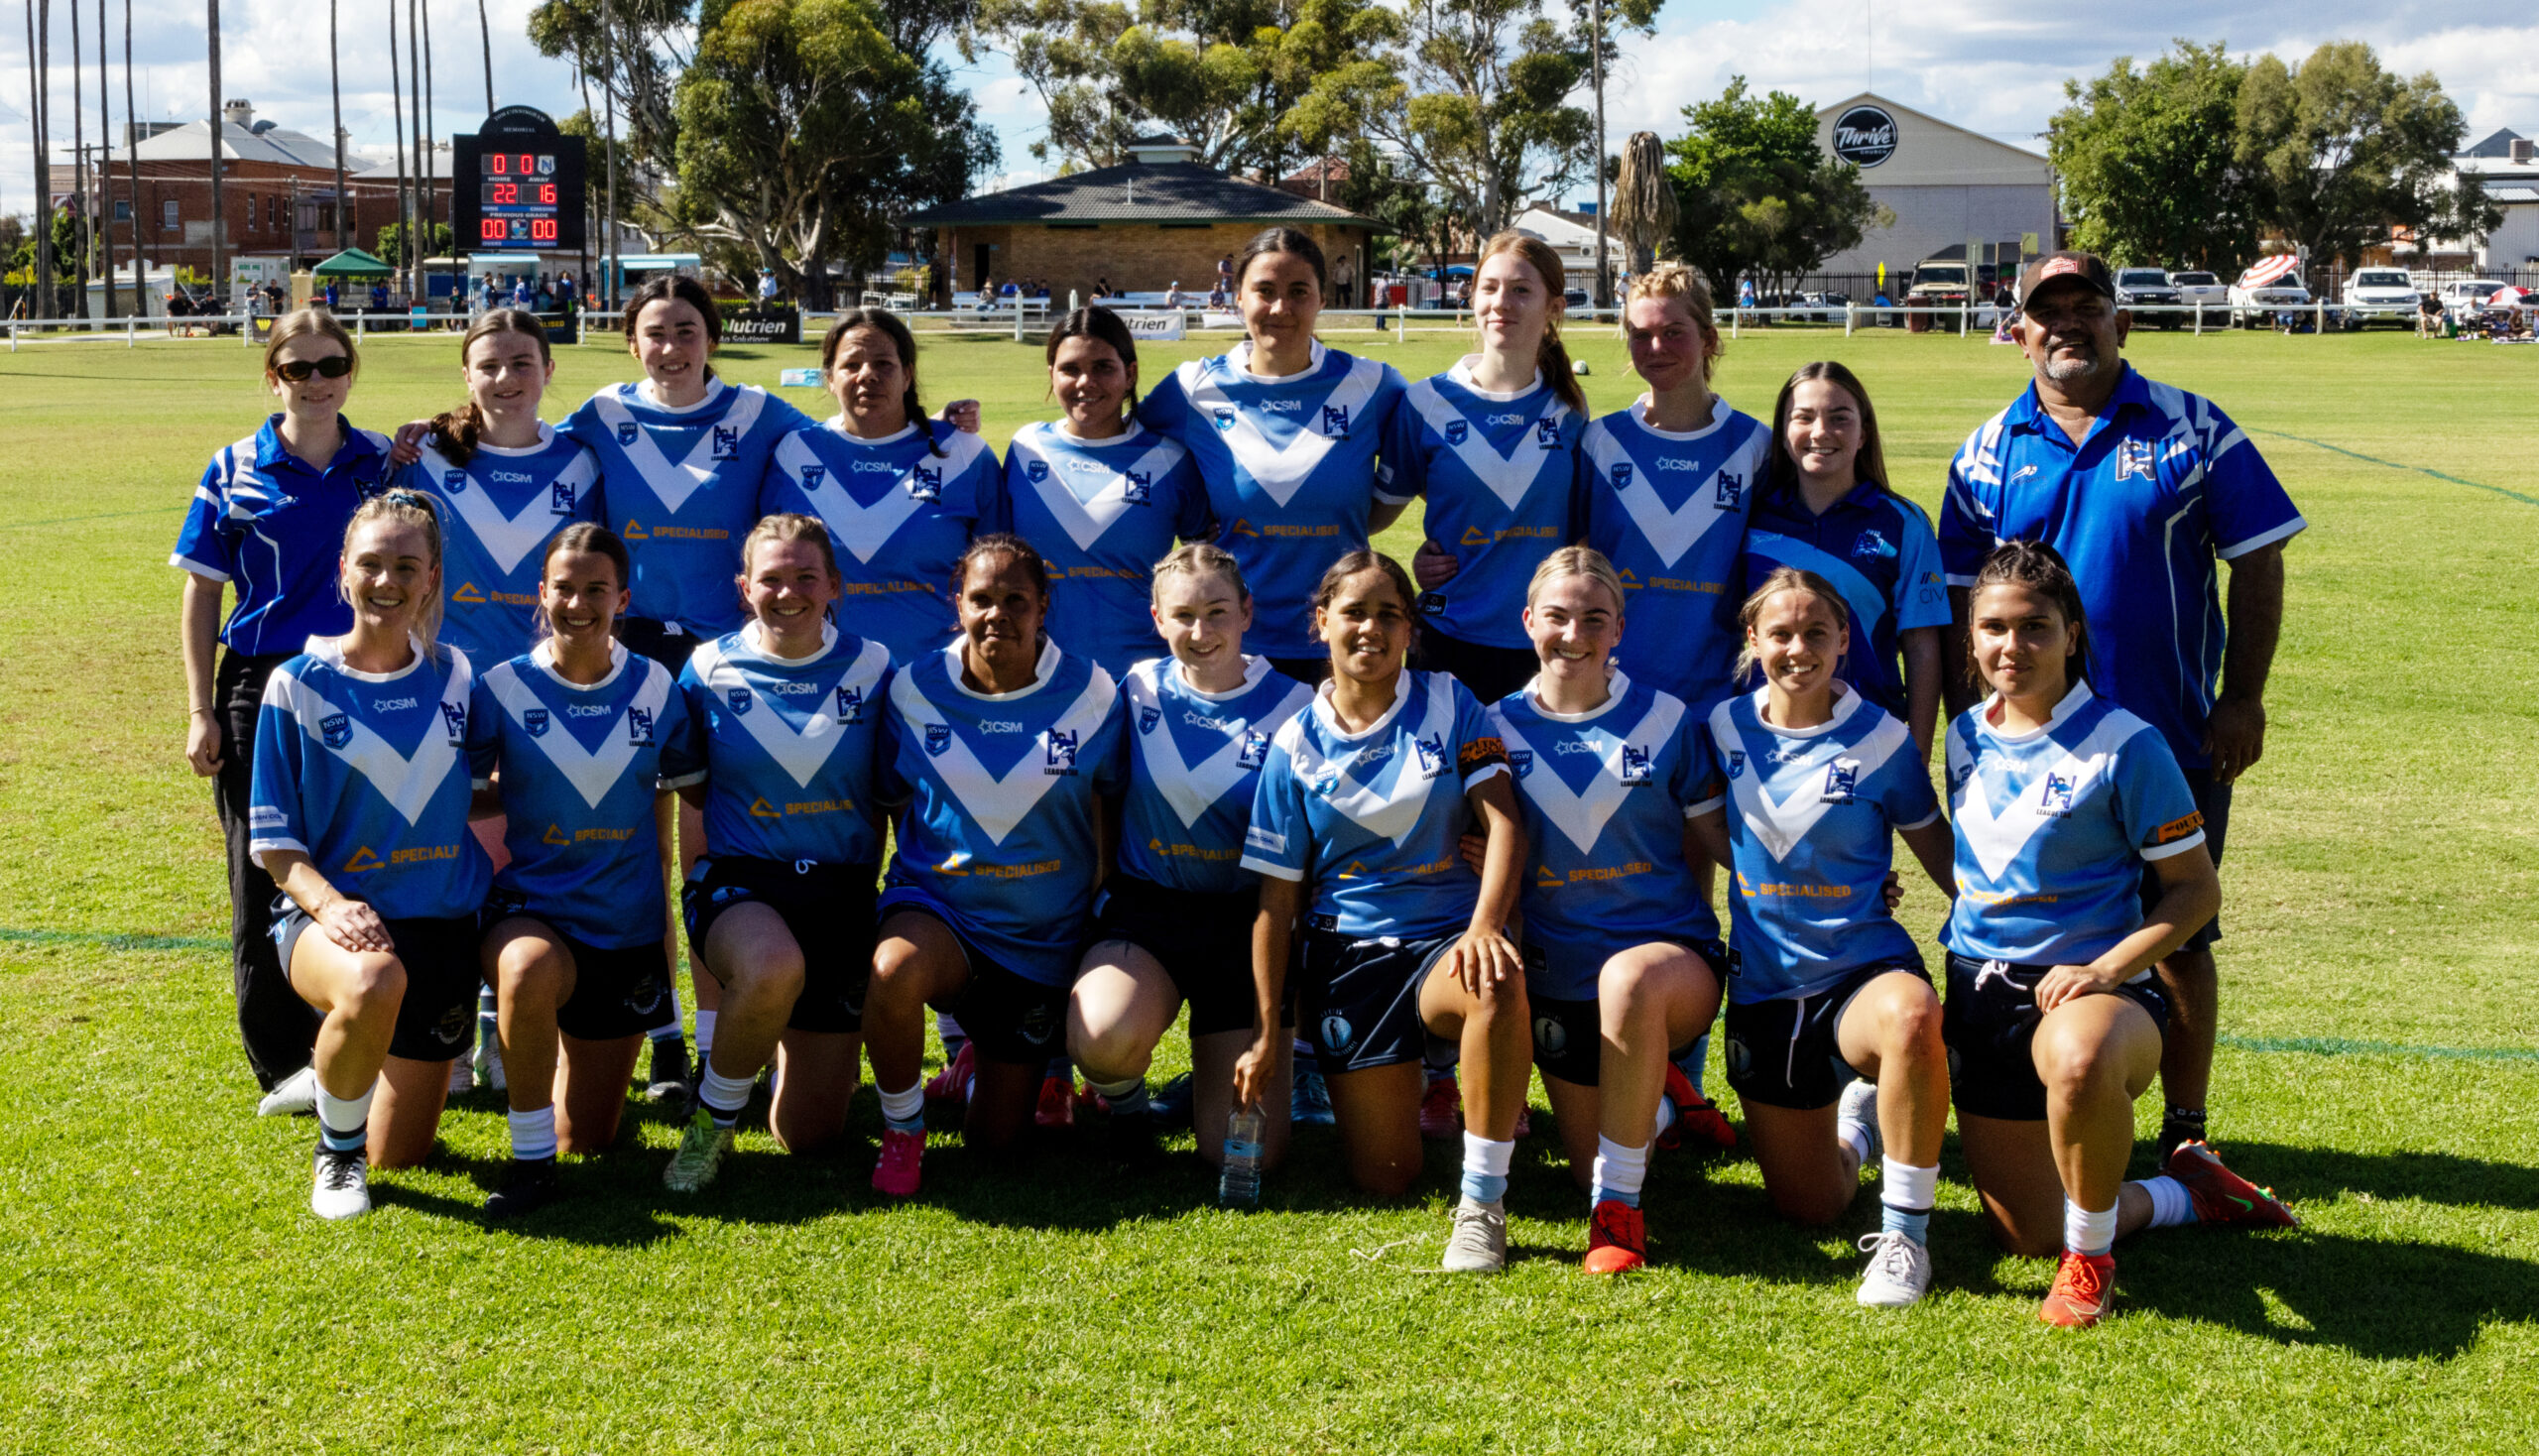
{"x":2142,"y":487}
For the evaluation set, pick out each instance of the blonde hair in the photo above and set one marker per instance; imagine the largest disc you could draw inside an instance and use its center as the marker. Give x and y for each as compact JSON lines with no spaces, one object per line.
{"x":300,"y":323}
{"x":1552,"y":356}
{"x":789,"y":526}
{"x":1784,"y":578}
{"x":400,"y":507}
{"x":1670,"y":279}
{"x":1576,"y":561}
{"x":1199,"y":558}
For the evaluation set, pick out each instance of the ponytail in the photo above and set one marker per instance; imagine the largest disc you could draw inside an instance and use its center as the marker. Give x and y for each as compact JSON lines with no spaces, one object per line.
{"x":888,"y":325}
{"x":454,"y":432}
{"x":406,"y":508}
{"x":1552,"y":356}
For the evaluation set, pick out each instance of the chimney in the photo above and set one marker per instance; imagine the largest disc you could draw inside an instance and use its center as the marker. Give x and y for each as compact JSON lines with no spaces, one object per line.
{"x":238,"y":113}
{"x":2520,"y":149}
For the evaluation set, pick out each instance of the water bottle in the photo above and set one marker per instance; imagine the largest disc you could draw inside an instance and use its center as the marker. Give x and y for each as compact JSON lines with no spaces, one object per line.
{"x":1239,"y":1187}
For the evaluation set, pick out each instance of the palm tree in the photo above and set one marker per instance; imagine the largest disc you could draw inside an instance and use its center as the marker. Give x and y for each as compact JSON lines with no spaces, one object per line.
{"x":132,"y":169}
{"x":81,"y":238}
{"x":219,"y":218}
{"x":485,"y":30}
{"x":40,"y":52}
{"x":105,"y":178}
{"x":397,"y":112}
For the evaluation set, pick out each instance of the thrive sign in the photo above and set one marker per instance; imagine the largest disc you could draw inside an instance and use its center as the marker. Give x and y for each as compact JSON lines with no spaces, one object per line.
{"x":1865,"y":136}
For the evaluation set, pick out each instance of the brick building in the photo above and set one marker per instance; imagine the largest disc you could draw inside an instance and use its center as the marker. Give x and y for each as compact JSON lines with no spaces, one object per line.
{"x":1158,"y":218}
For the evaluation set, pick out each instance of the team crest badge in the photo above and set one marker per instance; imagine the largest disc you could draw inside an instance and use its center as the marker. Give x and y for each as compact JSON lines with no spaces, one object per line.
{"x":627,"y":429}
{"x":2133,"y":458}
{"x":1736,"y":763}
{"x":453,"y":481}
{"x":926,"y":482}
{"x":1550,"y":1035}
{"x":1256,"y":751}
{"x":1622,"y":475}
{"x":639,"y":727}
{"x":453,"y":716}
{"x":1060,"y":751}
{"x":1841,"y":779}
{"x":739,"y":698}
{"x":1335,"y":420}
{"x":337,"y":729}
{"x":939,"y":739}
{"x":1547,"y":434}
{"x":560,"y":498}
{"x":1872,"y":546}
{"x":1336,"y":1031}
{"x":1457,"y":431}
{"x":2057,"y":797}
{"x":727,"y":443}
{"x":1731,"y":492}
{"x":536,"y":721}
{"x":1037,"y":471}
{"x":812,"y":475}
{"x":850,"y":705}
{"x":1432,"y":604}
{"x":1521,"y":760}
{"x":1635,"y":765}
{"x":1140,"y":491}
{"x":1148,"y":718}
{"x":1432,"y":755}
{"x":1224,"y":418}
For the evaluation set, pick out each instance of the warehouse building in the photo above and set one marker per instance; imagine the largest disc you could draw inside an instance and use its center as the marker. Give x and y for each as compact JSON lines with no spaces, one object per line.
{"x":1949,"y":187}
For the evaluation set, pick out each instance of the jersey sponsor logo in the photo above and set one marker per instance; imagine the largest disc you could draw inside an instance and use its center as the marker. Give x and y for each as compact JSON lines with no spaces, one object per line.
{"x":393,"y":704}
{"x":1059,"y":748}
{"x":362,"y":861}
{"x":2134,"y":457}
{"x":1635,"y":765}
{"x":1521,"y":760}
{"x":537,"y":721}
{"x":939,"y":739}
{"x":1432,"y":604}
{"x":508,"y":478}
{"x":467,"y":595}
{"x":585,"y":710}
{"x":453,"y":481}
{"x":1501,"y":422}
{"x":795,"y":689}
{"x":1149,"y":718}
{"x":739,"y":698}
{"x":1479,"y":754}
{"x":557,"y":836}
{"x":337,"y":729}
{"x":1282,"y":406}
{"x":1576,"y":745}
{"x":869,"y":467}
{"x":999,"y":725}
{"x":760,"y":808}
{"x":1266,"y":840}
{"x":2177,"y":829}
{"x":1674,"y":465}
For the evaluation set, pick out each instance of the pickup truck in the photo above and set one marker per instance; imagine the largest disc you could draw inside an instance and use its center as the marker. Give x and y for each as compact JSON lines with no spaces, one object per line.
{"x":2148,"y":289}
{"x":2379,"y":296}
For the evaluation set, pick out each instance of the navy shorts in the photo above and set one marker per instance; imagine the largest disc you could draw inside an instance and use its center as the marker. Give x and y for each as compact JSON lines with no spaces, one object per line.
{"x":1489,"y":674}
{"x":1785,"y":1052}
{"x":666,"y":643}
{"x":436,"y":1020}
{"x":1569,"y":1035}
{"x":622,"y":991}
{"x":827,"y":908}
{"x":2212,"y":800}
{"x":1008,"y":1017}
{"x":1358,"y":1000}
{"x":1203,"y":942}
{"x":1307,"y":671}
{"x":1990,"y":1023}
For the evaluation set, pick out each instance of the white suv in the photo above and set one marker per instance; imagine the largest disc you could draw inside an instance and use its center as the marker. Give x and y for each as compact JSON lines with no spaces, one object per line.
{"x":2201,"y":291}
{"x":2380,"y":294}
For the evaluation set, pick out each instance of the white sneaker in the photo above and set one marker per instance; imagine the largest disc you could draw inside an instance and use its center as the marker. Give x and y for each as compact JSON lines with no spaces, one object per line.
{"x":462,"y":1076}
{"x":1899,"y":1271}
{"x":293,"y":1096}
{"x":343,"y":1184}
{"x":1478,"y":1243}
{"x":489,"y":1062}
{"x":1860,"y":1106}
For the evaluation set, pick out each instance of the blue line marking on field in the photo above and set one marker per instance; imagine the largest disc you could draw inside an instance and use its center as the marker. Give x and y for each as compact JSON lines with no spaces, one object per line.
{"x":2346,"y":1046}
{"x":112,"y":941}
{"x":2394,"y":465}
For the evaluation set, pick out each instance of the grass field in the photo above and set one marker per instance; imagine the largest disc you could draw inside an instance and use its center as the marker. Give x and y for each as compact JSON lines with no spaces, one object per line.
{"x":167,"y":1290}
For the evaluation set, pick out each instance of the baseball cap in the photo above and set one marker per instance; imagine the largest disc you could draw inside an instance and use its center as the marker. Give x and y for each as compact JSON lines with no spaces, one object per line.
{"x":2089,"y":267}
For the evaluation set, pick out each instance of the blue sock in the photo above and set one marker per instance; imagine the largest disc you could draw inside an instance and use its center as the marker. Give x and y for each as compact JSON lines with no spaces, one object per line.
{"x":1485,"y":1166}
{"x":1693,"y":1060}
{"x":344,"y":1123}
{"x":1913,"y":1223}
{"x":1905,"y":1195}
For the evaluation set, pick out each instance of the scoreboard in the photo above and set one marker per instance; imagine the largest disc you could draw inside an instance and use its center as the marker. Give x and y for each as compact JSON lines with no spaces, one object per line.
{"x":518,"y":185}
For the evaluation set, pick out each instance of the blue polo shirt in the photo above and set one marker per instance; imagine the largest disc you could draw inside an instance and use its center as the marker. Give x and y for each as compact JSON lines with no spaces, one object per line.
{"x":2162,"y":485}
{"x":1878,"y":550}
{"x":267,"y":523}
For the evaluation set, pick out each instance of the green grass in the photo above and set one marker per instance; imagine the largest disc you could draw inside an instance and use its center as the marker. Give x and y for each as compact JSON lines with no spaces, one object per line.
{"x":167,"y":1290}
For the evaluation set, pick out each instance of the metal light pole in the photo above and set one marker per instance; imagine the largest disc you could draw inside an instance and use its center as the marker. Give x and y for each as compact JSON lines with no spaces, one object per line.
{"x":1604,"y":267}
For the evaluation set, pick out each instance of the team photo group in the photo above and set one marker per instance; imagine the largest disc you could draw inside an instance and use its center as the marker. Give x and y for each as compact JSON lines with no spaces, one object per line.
{"x":1134,"y":723}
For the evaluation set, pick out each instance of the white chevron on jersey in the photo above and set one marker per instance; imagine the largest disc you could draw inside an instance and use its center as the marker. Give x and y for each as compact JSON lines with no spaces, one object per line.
{"x":1085,"y":519}
{"x":1582,"y":815}
{"x":1998,"y":835}
{"x":1780,"y":824}
{"x":406,"y":783}
{"x":865,"y":529}
{"x":508,"y":539}
{"x":1508,"y":476}
{"x":995,"y":804}
{"x":1387,"y":807}
{"x":592,"y":774}
{"x":1280,"y":470}
{"x":675,"y":483}
{"x":1669,"y":533}
{"x":800,"y":752}
{"x":1193,"y":790}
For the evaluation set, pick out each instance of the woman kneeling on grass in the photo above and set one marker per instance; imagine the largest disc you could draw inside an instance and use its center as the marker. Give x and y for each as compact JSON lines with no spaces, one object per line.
{"x":1828,"y":986}
{"x":364,"y":774}
{"x":2054,"y":1020}
{"x":1355,"y":828}
{"x":590,"y":737}
{"x":1622,"y":960}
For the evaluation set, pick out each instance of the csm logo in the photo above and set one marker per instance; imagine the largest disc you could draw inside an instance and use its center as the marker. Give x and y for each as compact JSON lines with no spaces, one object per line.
{"x":1576,"y":745}
{"x":585,"y":710}
{"x":1670,"y":465}
{"x":795,"y":690}
{"x":392,"y":704}
{"x":1283,"y":407}
{"x":508,"y":478}
{"x":874,"y":467}
{"x":999,"y":725}
{"x":1497,"y":421}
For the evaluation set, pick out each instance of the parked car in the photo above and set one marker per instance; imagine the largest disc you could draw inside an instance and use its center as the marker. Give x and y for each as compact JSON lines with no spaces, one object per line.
{"x":2148,"y":289}
{"x":2466,"y":298}
{"x":2380,"y":296}
{"x":1823,"y":307}
{"x":2201,"y":290}
{"x":1937,"y":283}
{"x":2256,"y":308}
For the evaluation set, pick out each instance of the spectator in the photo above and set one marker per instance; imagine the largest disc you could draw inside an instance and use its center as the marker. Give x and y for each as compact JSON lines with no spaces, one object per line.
{"x":1172,"y":295}
{"x":766,"y":286}
{"x":1102,"y":287}
{"x":1345,"y":279}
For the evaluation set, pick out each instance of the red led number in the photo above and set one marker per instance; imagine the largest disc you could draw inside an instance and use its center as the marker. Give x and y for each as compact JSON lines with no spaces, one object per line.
{"x":546,"y":193}
{"x":501,"y":162}
{"x":492,"y":230}
{"x":542,"y":229}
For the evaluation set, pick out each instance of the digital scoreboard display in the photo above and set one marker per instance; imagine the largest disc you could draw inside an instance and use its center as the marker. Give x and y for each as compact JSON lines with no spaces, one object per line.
{"x":527,"y":186}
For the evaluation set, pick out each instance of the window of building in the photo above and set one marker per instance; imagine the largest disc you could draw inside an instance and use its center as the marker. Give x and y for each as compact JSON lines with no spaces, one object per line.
{"x":123,"y":209}
{"x":167,"y":215}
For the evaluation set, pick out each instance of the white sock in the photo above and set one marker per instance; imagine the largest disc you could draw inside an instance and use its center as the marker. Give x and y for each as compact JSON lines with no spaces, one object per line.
{"x":2171,"y":1203}
{"x":1855,"y":1138}
{"x":1907,"y":1186}
{"x":704,"y":1034}
{"x":2088,"y":1233}
{"x":724,"y":1096}
{"x":341,"y":1121}
{"x":534,"y":1133}
{"x":903,"y":1110}
{"x":1486,"y":1164}
{"x":1620,"y":1171}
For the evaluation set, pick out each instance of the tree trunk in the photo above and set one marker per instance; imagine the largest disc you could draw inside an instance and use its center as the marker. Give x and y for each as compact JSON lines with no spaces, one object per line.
{"x":430,"y":154}
{"x":40,"y":52}
{"x":82,"y":239}
{"x":105,"y":170}
{"x":335,"y":87}
{"x":397,"y":115}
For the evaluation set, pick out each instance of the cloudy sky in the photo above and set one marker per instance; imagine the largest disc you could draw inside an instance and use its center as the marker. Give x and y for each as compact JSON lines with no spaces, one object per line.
{"x":1987,"y":65}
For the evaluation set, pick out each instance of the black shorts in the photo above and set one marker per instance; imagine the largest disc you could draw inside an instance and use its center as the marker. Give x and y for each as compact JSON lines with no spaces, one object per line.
{"x":1785,"y":1053}
{"x":1569,"y":1035}
{"x":666,"y":643}
{"x":620,"y":991}
{"x":1203,"y":942}
{"x":1358,"y":1000}
{"x":1008,"y":1017}
{"x":2212,"y":800}
{"x":1307,"y":671}
{"x":436,"y":1020}
{"x":1489,"y":674}
{"x":827,"y":908}
{"x":1990,"y":1022}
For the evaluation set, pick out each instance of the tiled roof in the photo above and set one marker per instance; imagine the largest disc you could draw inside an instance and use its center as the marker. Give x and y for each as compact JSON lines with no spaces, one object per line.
{"x":1181,"y":192}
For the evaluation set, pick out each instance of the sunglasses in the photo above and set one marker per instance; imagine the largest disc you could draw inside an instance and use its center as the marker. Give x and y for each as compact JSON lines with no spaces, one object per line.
{"x":299,"y":370}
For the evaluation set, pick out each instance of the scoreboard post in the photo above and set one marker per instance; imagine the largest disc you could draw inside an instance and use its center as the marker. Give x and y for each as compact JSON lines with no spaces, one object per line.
{"x":516,"y":185}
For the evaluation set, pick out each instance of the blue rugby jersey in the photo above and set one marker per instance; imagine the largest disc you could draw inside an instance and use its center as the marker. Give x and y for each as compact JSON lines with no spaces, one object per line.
{"x":1500,"y":474}
{"x":581,"y":766}
{"x":997,"y":797}
{"x":791,"y":746}
{"x":681,"y":488}
{"x":1291,"y":471}
{"x":900,"y":514}
{"x":1193,"y":761}
{"x":1605,"y":795}
{"x":2054,"y":826}
{"x":1668,"y":509}
{"x":497,"y":513}
{"x":1811,"y":817}
{"x":1878,"y":550}
{"x":370,"y":774}
{"x":1376,"y":820}
{"x":271,"y":526}
{"x":1102,"y":513}
{"x":2162,"y":484}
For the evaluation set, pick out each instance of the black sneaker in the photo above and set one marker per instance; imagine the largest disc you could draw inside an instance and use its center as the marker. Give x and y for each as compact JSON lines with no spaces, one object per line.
{"x":1168,"y":1106}
{"x":530,"y":1186}
{"x":673,"y":1082}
